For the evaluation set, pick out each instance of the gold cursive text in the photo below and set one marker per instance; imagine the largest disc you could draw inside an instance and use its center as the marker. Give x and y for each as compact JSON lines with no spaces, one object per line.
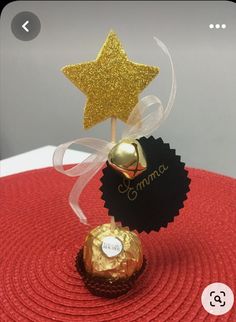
{"x":132,"y":192}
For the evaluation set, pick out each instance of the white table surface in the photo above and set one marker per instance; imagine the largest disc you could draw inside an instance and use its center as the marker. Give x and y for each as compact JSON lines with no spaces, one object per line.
{"x":37,"y":159}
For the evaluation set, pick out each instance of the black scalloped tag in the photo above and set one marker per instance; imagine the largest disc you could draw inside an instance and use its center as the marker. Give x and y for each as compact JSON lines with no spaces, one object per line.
{"x":152,"y":199}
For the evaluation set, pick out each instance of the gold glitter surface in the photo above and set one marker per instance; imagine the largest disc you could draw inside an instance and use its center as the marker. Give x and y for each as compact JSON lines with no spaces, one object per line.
{"x":127,"y":262}
{"x":111,"y":83}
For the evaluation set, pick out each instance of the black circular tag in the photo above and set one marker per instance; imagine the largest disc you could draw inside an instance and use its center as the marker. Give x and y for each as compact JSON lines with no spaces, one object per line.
{"x":152,"y":199}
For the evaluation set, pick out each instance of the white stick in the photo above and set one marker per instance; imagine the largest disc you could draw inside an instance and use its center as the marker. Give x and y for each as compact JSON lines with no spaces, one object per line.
{"x":113,"y":139}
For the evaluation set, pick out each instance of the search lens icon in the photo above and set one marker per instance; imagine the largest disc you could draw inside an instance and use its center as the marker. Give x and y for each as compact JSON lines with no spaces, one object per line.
{"x":217,"y":299}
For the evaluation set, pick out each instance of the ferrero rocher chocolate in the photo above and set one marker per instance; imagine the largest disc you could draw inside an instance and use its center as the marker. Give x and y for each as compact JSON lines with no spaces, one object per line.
{"x":110,"y":261}
{"x":128,"y":158}
{"x":112,"y":252}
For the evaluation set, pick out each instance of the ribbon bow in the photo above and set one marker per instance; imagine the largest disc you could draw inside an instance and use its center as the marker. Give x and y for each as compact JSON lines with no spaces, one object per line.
{"x":138,"y":124}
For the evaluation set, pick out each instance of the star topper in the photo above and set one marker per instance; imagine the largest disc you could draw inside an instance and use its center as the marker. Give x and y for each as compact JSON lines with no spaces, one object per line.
{"x":111,"y":83}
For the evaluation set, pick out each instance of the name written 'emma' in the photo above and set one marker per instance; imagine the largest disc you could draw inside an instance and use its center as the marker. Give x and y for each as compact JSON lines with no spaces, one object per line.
{"x":132,"y":192}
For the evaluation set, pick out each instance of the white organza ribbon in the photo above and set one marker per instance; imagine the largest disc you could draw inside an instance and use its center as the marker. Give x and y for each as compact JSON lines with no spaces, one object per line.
{"x":139,"y":124}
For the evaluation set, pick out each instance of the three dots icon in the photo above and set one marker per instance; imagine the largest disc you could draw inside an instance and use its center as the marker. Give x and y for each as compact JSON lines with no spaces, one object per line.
{"x":217,"y":26}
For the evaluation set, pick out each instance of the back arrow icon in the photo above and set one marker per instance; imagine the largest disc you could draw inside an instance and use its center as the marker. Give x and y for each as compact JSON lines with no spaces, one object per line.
{"x":24,"y":26}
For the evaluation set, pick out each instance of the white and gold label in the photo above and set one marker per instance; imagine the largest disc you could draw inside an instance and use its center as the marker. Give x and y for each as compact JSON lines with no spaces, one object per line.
{"x":111,"y":246}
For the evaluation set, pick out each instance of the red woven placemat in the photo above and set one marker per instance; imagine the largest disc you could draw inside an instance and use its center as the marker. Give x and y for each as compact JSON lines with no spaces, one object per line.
{"x":40,"y":237}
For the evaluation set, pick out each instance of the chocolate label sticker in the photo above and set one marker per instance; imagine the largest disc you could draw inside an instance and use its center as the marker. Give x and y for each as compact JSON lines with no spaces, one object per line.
{"x":111,"y":246}
{"x":152,"y":199}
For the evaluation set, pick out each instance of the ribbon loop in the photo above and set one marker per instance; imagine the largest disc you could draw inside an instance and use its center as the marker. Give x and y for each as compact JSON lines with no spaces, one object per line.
{"x":146,"y":125}
{"x":101,"y":146}
{"x":143,"y":126}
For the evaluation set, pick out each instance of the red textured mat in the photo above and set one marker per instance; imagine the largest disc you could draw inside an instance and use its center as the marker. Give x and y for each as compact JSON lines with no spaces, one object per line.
{"x":40,"y":236}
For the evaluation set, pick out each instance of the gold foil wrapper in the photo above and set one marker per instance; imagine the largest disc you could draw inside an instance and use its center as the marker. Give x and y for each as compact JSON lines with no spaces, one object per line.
{"x":123,"y":265}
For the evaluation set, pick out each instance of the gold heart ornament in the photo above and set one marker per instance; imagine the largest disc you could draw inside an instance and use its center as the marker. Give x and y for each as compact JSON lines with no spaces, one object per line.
{"x":127,"y":157}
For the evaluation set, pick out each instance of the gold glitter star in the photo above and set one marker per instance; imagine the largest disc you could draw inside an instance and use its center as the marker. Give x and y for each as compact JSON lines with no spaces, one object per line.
{"x":111,"y":83}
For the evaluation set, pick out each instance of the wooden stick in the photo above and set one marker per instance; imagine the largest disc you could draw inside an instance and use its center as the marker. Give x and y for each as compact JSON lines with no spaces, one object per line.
{"x":113,"y":140}
{"x":113,"y":129}
{"x":113,"y":223}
